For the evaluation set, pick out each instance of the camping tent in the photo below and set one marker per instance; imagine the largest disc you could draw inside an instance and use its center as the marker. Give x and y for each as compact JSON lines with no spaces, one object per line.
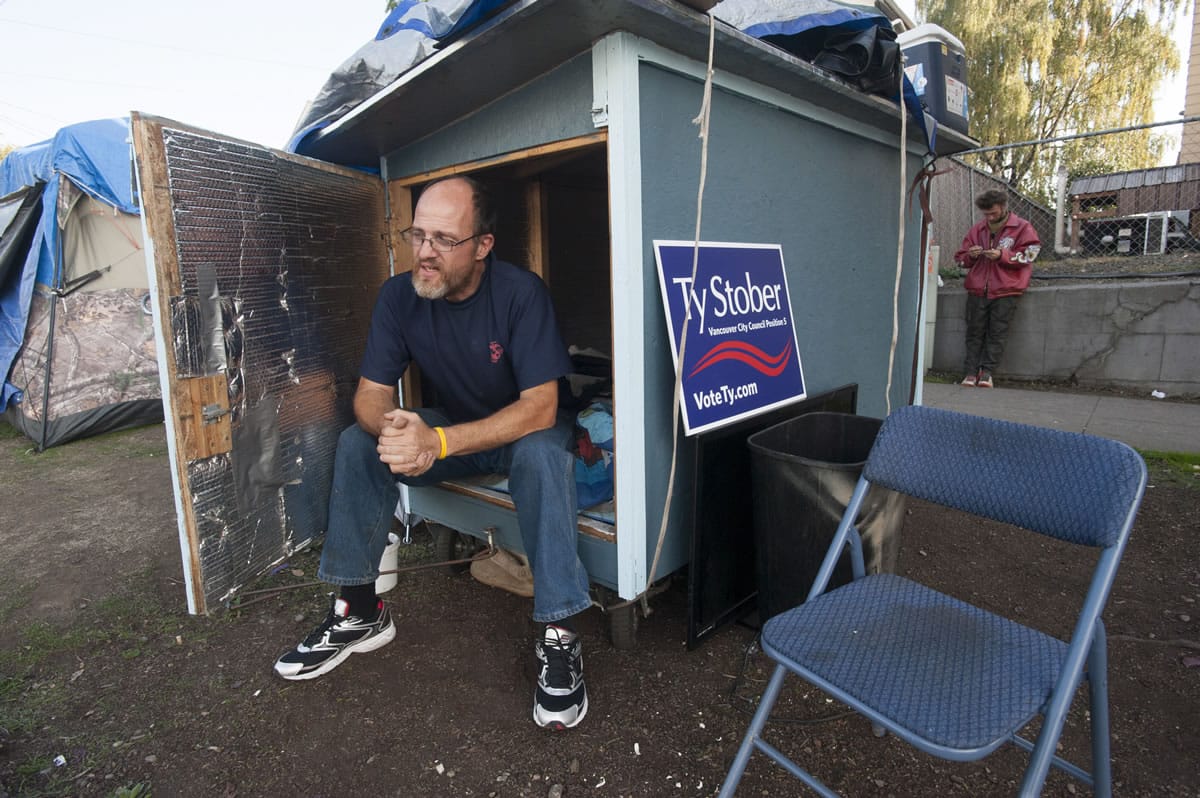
{"x":76,"y":339}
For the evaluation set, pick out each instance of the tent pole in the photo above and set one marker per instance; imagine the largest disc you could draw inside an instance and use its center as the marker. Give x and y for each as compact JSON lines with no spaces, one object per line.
{"x":55,"y":285}
{"x":46,"y":380}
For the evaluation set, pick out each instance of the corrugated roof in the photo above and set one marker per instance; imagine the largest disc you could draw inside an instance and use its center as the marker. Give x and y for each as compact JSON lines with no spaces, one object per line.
{"x":1159,"y":175}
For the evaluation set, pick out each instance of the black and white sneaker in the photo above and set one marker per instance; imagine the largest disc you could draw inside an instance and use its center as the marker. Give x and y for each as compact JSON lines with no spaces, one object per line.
{"x":560,"y":701}
{"x":339,"y":635}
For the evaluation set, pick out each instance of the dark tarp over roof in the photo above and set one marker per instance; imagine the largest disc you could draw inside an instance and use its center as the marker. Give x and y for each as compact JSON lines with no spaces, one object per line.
{"x":460,"y":35}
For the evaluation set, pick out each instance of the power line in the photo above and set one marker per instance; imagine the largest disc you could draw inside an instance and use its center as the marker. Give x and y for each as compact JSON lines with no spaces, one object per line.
{"x":29,"y":76}
{"x":36,"y":134}
{"x":1073,"y":136}
{"x":170,"y":48}
{"x":29,"y":110}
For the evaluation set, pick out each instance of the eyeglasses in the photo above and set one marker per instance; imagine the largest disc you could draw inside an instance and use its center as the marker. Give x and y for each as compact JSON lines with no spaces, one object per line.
{"x":439,"y":243}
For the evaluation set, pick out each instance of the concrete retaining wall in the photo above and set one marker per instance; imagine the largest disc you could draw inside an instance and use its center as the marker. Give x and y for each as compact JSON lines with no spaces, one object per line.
{"x":1143,"y":335}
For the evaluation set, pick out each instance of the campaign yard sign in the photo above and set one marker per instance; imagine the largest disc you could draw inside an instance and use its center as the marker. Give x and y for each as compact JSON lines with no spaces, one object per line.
{"x":741,"y":357}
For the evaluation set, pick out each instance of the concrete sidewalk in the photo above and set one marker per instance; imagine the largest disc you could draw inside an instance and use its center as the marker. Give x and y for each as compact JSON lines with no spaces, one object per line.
{"x":1142,"y":423}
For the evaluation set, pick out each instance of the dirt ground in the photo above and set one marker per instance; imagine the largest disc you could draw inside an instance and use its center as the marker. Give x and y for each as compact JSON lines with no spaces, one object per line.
{"x":101,"y":665}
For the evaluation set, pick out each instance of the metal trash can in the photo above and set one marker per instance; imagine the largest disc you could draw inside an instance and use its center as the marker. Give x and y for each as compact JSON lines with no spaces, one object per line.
{"x":804,"y":471}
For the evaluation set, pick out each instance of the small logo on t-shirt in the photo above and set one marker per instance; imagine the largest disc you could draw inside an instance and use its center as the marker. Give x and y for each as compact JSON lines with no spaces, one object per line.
{"x":497,"y":351}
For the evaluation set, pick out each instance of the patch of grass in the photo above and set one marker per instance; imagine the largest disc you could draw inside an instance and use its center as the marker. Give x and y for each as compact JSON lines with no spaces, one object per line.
{"x":41,"y":640}
{"x":126,"y":443}
{"x":1177,"y":468}
{"x":132,"y":791}
{"x":10,"y":604}
{"x":126,"y":620}
{"x":9,"y":687}
{"x":37,"y":670}
{"x":132,"y":616}
{"x":942,"y":377}
{"x":23,"y":454}
{"x":28,"y":776}
{"x":37,"y":776}
{"x":21,"y":712}
{"x":33,"y":766}
{"x":24,"y":705}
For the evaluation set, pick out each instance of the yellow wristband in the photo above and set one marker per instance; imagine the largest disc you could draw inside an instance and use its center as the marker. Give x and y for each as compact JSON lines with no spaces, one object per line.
{"x":441,"y":437}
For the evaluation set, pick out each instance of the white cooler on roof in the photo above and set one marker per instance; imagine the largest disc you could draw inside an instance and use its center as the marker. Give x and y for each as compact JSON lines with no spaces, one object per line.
{"x":935,"y":63}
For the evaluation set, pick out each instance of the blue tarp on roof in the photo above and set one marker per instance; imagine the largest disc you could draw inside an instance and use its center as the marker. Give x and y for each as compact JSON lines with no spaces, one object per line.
{"x":96,"y":157}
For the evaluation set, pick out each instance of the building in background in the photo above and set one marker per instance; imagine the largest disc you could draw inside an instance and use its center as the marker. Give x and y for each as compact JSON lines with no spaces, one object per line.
{"x":1189,"y":149}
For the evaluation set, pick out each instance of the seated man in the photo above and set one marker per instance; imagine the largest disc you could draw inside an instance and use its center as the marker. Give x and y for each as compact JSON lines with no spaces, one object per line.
{"x":484,"y":333}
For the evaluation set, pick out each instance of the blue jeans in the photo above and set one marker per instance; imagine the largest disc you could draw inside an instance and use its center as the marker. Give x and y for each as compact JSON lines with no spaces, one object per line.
{"x":541,"y":477}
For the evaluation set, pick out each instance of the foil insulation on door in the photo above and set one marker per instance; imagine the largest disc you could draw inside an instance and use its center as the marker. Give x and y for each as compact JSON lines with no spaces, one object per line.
{"x":278,"y":263}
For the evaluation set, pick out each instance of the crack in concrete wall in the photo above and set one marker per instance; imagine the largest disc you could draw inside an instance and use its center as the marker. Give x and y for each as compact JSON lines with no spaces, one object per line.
{"x":1140,"y":335}
{"x":1123,"y":321}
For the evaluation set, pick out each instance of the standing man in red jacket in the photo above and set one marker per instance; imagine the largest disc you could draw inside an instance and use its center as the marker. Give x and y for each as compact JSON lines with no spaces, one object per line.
{"x":998,"y":253}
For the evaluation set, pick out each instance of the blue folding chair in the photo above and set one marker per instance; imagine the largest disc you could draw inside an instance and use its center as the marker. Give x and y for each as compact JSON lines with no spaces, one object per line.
{"x":951,"y":679}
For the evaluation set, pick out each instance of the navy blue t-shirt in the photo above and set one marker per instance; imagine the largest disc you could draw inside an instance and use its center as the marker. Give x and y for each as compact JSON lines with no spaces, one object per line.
{"x":479,"y":353}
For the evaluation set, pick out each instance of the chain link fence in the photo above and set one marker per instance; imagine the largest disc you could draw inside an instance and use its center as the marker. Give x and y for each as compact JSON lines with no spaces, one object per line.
{"x":1114,"y":219}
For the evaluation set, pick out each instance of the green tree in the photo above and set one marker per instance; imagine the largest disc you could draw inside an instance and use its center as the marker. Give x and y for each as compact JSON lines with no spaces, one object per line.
{"x":1039,"y":69}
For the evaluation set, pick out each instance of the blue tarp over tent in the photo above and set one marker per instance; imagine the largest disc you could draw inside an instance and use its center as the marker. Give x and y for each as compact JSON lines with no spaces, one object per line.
{"x":95,"y":157}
